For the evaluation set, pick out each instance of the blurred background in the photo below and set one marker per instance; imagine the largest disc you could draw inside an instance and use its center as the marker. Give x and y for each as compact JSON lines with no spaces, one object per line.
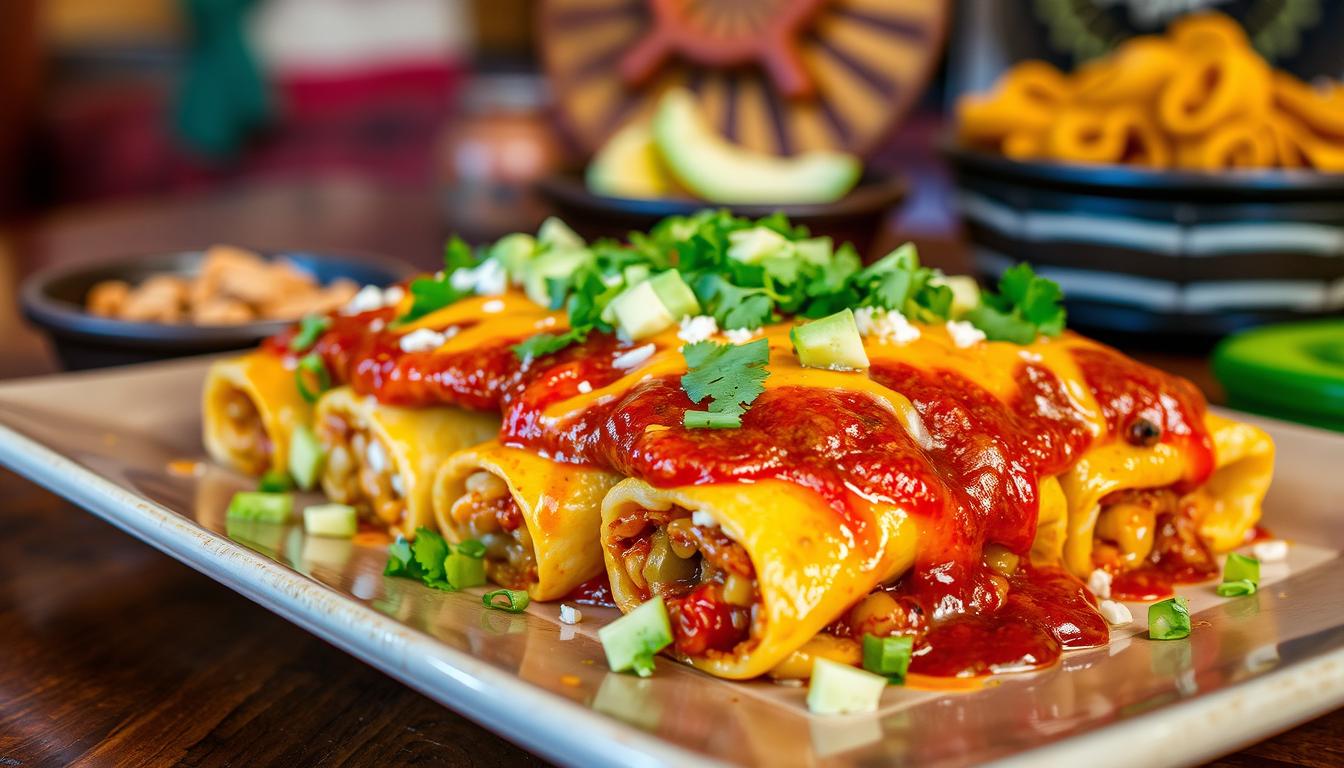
{"x":378,"y":127}
{"x":106,"y":102}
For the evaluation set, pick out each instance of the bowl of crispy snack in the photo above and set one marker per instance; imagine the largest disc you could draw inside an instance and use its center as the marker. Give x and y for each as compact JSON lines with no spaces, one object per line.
{"x":193,"y":302}
{"x":1180,"y":185}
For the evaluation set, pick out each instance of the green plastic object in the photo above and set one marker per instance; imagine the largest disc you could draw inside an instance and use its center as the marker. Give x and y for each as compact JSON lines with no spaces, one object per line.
{"x":1293,"y":372}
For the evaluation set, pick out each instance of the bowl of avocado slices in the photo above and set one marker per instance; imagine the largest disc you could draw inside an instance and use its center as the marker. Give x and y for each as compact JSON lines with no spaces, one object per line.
{"x":675,"y":163}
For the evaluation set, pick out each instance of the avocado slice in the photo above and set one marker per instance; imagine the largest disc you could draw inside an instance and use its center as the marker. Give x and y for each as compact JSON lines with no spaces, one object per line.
{"x":832,"y":342}
{"x":628,"y":165}
{"x":721,"y":172}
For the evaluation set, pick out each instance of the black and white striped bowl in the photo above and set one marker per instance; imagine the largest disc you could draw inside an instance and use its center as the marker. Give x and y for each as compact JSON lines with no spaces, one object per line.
{"x":1142,"y":251}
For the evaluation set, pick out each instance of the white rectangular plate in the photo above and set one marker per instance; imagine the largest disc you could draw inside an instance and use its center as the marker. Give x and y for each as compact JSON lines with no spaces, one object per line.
{"x":1253,"y":666}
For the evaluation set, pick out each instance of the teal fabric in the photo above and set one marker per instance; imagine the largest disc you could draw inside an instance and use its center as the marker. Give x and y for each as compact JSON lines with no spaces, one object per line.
{"x":223,"y":97}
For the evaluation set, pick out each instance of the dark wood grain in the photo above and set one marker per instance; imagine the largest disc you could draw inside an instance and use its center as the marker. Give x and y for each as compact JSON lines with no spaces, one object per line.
{"x":113,"y":654}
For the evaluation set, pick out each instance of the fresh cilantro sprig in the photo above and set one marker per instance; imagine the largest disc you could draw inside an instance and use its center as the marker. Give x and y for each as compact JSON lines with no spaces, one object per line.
{"x":730,"y":376}
{"x":1025,"y":306}
{"x":430,"y":294}
{"x":427,"y":560}
{"x":547,"y":343}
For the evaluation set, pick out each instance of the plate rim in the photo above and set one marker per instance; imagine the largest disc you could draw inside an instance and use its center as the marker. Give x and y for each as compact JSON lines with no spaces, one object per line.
{"x":579,"y":736}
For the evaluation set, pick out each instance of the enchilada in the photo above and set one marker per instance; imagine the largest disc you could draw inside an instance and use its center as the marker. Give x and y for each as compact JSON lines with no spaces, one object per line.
{"x":950,"y":471}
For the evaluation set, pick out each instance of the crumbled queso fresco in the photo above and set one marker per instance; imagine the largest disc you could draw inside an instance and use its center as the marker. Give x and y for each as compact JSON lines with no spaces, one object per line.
{"x":964,"y":334}
{"x":371,"y":298}
{"x":634,"y":357}
{"x":887,"y":326}
{"x":741,"y":335}
{"x":697,"y":328}
{"x":423,"y":340}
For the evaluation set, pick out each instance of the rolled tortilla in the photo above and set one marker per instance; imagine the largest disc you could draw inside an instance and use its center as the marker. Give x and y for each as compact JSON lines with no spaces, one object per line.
{"x":382,"y":458}
{"x":538,"y":518}
{"x":250,"y":407}
{"x":807,"y":567}
{"x":1229,"y":501}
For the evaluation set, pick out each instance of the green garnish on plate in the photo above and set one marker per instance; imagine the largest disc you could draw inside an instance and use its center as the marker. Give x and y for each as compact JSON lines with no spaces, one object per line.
{"x":632,"y":641}
{"x":1241,"y":576}
{"x":1169,"y":619}
{"x":261,"y":507}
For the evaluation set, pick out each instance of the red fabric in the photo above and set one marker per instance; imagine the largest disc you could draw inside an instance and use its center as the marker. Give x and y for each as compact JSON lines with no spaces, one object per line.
{"x":115,"y":140}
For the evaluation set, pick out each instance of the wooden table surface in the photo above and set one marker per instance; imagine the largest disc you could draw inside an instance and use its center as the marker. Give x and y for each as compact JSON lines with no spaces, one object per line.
{"x":114,"y":654}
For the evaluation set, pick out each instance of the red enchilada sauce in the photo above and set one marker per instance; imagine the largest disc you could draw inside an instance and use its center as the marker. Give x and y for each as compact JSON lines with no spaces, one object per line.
{"x":975,"y":485}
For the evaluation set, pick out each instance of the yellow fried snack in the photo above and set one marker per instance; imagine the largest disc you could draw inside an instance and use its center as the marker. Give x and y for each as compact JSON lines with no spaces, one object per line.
{"x":1198,"y":98}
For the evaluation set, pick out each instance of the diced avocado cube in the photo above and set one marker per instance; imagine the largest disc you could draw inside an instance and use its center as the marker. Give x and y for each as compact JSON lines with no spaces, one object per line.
{"x":965,"y":293}
{"x":339,"y":521}
{"x":559,"y":263}
{"x":675,"y":294}
{"x":839,"y":689}
{"x":514,"y":252}
{"x":636,"y":273}
{"x":557,"y":234}
{"x":305,"y":457}
{"x":462,"y":570}
{"x":639,"y":312}
{"x":831,"y":342}
{"x":815,"y":250}
{"x":261,"y":507}
{"x":632,"y":641}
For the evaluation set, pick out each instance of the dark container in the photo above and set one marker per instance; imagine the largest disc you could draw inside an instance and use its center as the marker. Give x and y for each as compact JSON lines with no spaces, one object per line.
{"x":1190,"y":256}
{"x":53,"y":300}
{"x":855,"y":218}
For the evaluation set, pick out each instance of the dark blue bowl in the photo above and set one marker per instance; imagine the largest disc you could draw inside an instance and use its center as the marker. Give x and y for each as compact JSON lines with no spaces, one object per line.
{"x":1141,"y":252}
{"x":855,"y":218}
{"x":53,"y":299}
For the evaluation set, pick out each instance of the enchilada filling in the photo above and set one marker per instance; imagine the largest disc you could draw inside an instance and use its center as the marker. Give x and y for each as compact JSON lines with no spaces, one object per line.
{"x":488,"y":513}
{"x":706,"y":578}
{"x":243,"y":432}
{"x":1032,"y":615}
{"x":1148,"y":538}
{"x":360,"y":472}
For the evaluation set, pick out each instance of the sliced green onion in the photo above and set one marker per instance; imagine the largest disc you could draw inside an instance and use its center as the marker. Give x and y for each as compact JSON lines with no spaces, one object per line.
{"x":311,"y":365}
{"x":462,"y":571}
{"x":511,"y":600}
{"x":1238,"y":588}
{"x":262,"y":507}
{"x":275,"y":481}
{"x":889,"y":656}
{"x":305,"y":457}
{"x":1169,"y":619}
{"x":631,"y":641}
{"x":339,"y":521}
{"x":470,"y":548}
{"x":1241,"y":567}
{"x":711,"y":420}
{"x":310,"y":328}
{"x":839,"y":689}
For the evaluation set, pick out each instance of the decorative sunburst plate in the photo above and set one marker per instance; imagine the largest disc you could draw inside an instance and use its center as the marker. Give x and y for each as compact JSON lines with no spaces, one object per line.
{"x":780,"y":76}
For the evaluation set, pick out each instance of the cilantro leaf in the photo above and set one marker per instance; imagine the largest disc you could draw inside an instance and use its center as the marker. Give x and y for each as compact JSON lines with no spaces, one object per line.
{"x":429,"y":294}
{"x":400,"y":562}
{"x":429,"y":550}
{"x":548,"y":343}
{"x":734,"y":306}
{"x":1025,"y":306}
{"x":457,"y":254}
{"x":311,"y":328}
{"x":730,"y":376}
